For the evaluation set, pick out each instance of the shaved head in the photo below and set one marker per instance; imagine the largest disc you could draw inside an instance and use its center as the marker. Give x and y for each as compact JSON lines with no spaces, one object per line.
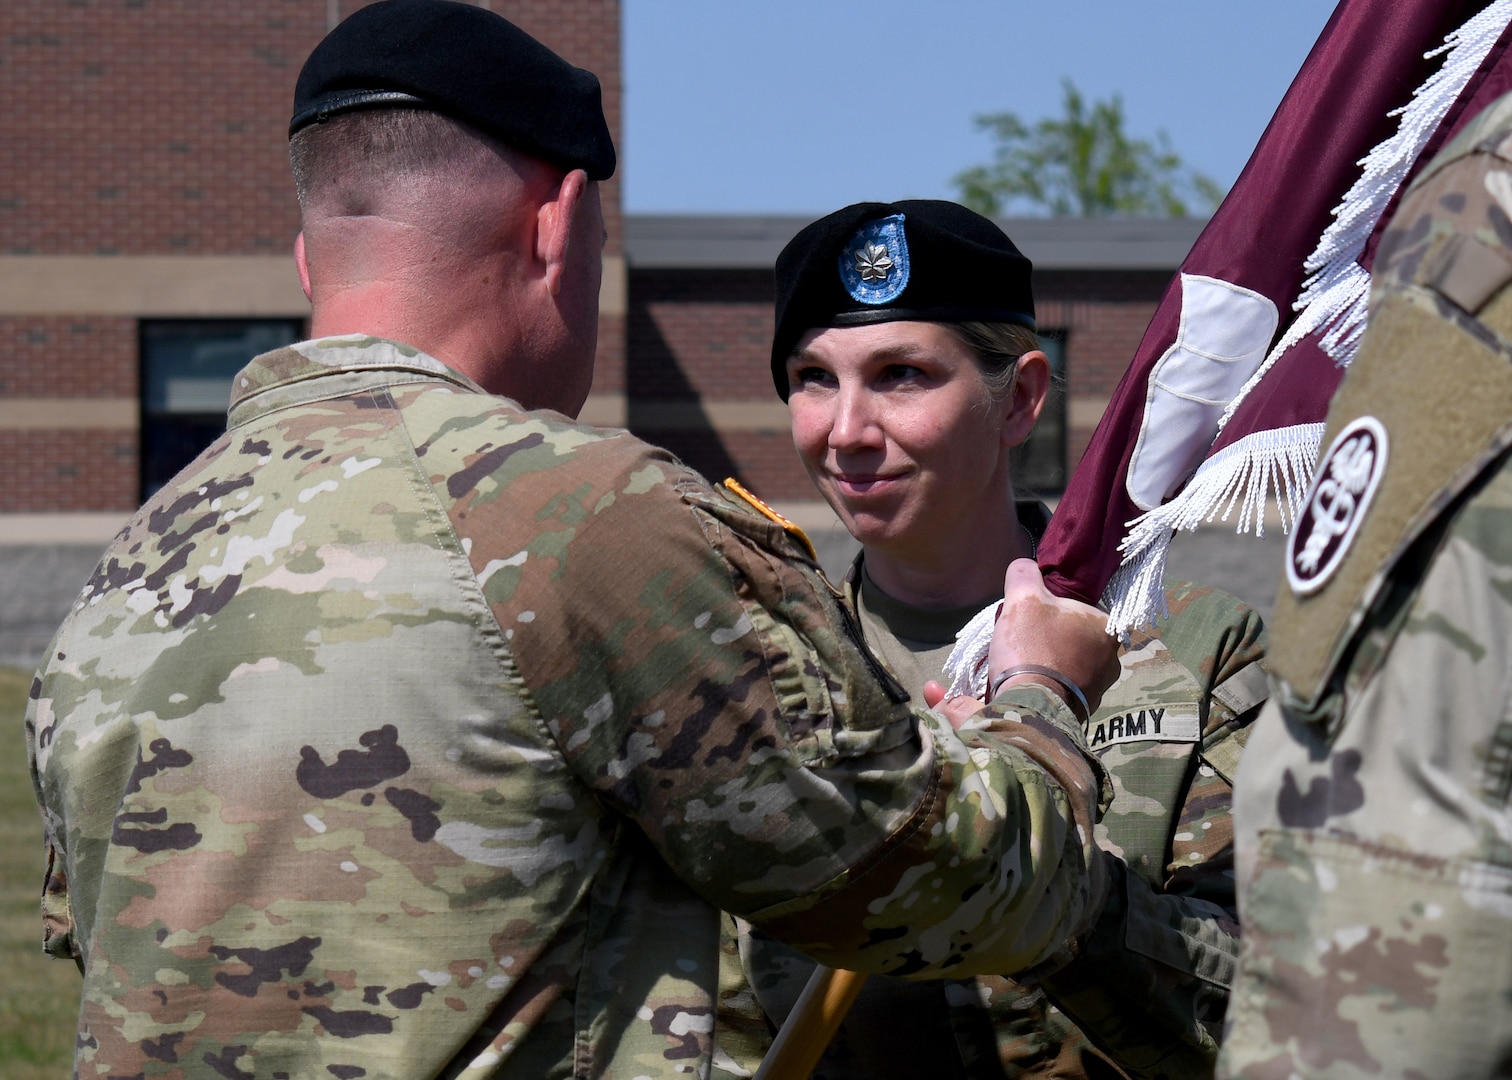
{"x":412,"y":167}
{"x":419,"y":227}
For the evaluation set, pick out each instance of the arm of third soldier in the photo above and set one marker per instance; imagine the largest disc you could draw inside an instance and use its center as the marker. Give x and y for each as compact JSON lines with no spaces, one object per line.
{"x":717,"y":696}
{"x":1151,"y":979}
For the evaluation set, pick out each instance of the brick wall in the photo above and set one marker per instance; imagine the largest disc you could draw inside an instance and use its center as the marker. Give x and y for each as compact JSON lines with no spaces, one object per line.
{"x":158,"y":127}
{"x":68,"y":356}
{"x":701,"y":334}
{"x":59,"y":471}
{"x":1103,"y":314}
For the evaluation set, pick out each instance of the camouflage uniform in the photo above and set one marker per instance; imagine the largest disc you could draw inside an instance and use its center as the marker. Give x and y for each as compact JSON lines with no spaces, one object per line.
{"x":1152,"y":980}
{"x":406,"y":733}
{"x":1375,"y":843}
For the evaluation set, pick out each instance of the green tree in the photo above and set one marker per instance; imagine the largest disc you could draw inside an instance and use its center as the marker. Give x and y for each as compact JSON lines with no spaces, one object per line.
{"x":1084,"y":164}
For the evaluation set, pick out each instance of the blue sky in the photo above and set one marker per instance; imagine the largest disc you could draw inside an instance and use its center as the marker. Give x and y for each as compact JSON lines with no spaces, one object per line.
{"x":802,"y":106}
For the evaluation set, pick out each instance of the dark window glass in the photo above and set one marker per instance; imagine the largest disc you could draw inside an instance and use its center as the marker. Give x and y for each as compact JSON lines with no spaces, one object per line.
{"x":187,"y":367}
{"x":1040,"y":465}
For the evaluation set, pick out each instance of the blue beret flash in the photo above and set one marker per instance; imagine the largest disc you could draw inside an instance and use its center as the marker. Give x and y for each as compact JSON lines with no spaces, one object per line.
{"x":874,"y":265}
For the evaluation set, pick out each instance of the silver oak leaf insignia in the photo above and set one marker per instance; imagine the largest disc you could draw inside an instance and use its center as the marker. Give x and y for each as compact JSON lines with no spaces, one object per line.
{"x":873,"y":263}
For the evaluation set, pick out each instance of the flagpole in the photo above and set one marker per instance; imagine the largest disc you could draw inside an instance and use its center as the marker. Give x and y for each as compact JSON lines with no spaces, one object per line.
{"x":808,"y":1029}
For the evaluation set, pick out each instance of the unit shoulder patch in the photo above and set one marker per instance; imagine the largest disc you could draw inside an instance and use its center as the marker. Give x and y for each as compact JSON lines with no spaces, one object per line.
{"x":1343,"y":487}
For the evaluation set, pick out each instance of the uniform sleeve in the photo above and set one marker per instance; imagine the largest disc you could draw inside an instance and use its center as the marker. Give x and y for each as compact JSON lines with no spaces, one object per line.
{"x":743,"y":1034}
{"x":1222,"y":640}
{"x":57,"y":912}
{"x":1378,"y":918}
{"x":1151,"y":980}
{"x":703,"y":680}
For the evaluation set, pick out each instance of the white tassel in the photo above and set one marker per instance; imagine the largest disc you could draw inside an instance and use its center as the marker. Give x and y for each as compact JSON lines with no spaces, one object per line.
{"x":1278,"y":463}
{"x":967,"y":667}
{"x":1335,"y":296}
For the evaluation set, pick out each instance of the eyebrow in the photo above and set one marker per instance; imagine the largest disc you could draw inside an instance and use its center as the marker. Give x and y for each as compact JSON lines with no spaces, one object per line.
{"x":900,"y":351}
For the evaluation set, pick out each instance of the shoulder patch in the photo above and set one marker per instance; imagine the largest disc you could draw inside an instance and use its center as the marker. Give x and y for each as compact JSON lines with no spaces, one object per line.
{"x":1345,"y":483}
{"x":736,"y":488}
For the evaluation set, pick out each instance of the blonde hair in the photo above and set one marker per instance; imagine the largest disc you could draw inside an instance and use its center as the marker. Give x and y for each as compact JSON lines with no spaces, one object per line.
{"x":997,"y":346}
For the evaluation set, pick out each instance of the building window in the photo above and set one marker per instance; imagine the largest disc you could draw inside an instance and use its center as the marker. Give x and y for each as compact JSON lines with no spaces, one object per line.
{"x":1040,"y":466}
{"x":187,"y":368}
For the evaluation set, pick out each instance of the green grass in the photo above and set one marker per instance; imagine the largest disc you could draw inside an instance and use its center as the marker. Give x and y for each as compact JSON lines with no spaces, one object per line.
{"x":39,"y":998}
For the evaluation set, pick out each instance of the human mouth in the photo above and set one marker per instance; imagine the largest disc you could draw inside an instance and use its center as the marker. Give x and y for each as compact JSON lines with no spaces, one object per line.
{"x":862,"y":483}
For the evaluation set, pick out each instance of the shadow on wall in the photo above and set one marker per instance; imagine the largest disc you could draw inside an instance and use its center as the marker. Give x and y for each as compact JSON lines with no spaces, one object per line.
{"x":656,"y":386}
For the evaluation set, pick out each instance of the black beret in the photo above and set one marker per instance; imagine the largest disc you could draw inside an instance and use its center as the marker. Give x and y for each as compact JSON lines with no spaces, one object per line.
{"x":465,"y":62}
{"x":921,"y":260}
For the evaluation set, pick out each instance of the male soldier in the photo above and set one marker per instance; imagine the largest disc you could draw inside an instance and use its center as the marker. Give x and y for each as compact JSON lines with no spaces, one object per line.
{"x":410,"y":733}
{"x":1374,"y":840}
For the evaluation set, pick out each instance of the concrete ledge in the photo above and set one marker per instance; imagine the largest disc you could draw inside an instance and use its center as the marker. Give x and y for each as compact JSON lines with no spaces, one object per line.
{"x":53,"y":414}
{"x":95,"y":530}
{"x":1085,"y":412}
{"x":614,"y":287}
{"x":809,"y":515}
{"x":151,"y":286}
{"x":711,"y":416}
{"x":184,"y":286}
{"x":604,"y":410}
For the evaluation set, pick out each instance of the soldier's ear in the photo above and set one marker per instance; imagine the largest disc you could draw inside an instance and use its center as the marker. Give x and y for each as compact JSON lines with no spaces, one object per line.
{"x":1031,"y":385}
{"x":302,"y":265}
{"x":555,"y":221}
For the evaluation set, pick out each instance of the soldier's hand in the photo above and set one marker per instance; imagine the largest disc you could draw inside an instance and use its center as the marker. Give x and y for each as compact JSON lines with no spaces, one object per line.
{"x":957,"y":710}
{"x":1038,"y":629}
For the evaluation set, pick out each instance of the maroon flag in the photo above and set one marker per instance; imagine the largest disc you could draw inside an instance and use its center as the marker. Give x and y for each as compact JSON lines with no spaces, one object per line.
{"x":1223,"y":403}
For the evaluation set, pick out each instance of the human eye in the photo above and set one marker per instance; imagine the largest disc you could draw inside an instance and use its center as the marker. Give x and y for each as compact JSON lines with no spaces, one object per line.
{"x":810,"y":375}
{"x":894,"y":373}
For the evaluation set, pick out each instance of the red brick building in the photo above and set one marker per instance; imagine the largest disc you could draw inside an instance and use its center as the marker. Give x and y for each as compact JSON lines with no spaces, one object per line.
{"x":146,"y":223}
{"x":147,"y":219}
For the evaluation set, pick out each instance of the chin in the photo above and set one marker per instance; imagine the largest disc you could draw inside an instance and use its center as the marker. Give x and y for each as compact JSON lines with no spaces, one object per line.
{"x":869,"y":528}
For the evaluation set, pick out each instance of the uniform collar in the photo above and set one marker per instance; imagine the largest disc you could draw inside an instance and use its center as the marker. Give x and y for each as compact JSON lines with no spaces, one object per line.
{"x":303,"y":372}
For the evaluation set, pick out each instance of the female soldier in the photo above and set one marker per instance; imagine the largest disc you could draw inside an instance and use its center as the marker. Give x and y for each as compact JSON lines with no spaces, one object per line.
{"x":906,"y":351}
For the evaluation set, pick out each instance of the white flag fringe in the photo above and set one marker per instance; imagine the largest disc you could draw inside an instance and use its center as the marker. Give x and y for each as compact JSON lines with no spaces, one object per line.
{"x":1276,"y":464}
{"x":1265,"y":465}
{"x":966,"y":670}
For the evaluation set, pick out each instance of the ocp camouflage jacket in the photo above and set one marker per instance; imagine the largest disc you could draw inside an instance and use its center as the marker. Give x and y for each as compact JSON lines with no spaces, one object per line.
{"x":1374,"y":807}
{"x":407,"y":733}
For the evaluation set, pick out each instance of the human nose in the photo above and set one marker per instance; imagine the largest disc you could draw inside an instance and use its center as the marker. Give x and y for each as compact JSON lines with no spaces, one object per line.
{"x":854,"y":426}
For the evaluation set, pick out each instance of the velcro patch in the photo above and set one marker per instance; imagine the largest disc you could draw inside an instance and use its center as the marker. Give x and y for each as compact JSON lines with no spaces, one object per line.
{"x":1157,"y":723}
